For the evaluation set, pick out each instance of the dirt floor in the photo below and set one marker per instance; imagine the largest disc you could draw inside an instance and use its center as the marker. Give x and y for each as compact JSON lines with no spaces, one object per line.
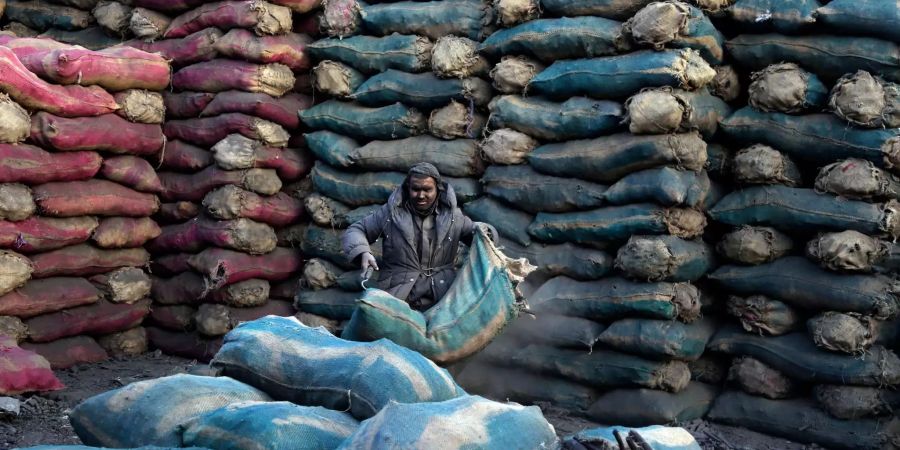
{"x":44,"y":418}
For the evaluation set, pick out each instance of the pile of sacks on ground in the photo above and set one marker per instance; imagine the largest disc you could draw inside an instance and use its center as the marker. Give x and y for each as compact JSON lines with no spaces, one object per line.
{"x":76,"y":196}
{"x":617,"y":154}
{"x":311,"y":390}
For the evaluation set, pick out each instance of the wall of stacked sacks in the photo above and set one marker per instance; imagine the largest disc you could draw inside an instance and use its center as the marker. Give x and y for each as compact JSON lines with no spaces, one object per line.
{"x":677,"y":171}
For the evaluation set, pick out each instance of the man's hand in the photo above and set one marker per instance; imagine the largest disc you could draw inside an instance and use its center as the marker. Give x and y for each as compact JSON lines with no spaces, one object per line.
{"x":368,"y":261}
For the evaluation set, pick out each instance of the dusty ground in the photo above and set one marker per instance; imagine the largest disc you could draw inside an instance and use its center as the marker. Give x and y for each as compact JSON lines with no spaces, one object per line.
{"x":44,"y":418}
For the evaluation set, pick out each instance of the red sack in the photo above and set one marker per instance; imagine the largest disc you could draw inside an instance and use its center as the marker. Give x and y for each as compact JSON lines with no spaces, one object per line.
{"x":197,"y":47}
{"x":24,"y":371}
{"x":183,"y":187}
{"x":168,"y":6}
{"x":84,"y":260}
{"x":69,"y":352}
{"x":133,"y":172}
{"x":171,"y":265}
{"x":281,"y":110}
{"x":237,"y":152}
{"x":224,"y":74}
{"x":299,"y":6}
{"x":183,"y":157}
{"x":32,"y":165}
{"x":174,"y":317}
{"x":48,"y":295}
{"x":177,"y":212}
{"x":40,"y":234}
{"x":93,"y":197}
{"x":186,"y":288}
{"x":207,"y":131}
{"x":264,"y":18}
{"x":222,"y":267}
{"x":101,"y":318}
{"x":116,"y":68}
{"x":288,"y":49}
{"x":109,"y":133}
{"x":231,"y":202}
{"x":242,"y":235}
{"x":185,"y":345}
{"x":125,"y":232}
{"x":186,"y":105}
{"x":35,"y":94}
{"x":31,"y":50}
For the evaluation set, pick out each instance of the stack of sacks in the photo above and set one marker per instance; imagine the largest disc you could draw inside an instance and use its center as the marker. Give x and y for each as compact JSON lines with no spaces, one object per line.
{"x":408,"y":86}
{"x":228,"y":161}
{"x":80,"y":219}
{"x":80,"y":22}
{"x":598,"y":177}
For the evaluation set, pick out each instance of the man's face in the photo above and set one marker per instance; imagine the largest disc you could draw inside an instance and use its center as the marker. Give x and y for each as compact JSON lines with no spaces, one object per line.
{"x":422,"y":192}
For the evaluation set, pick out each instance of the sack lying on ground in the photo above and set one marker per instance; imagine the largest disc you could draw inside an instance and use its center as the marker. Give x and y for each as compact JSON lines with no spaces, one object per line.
{"x":760,"y":314}
{"x":664,"y":185}
{"x":479,"y":303}
{"x":293,"y":369}
{"x":800,"y":420}
{"x":801,"y":283}
{"x":798,"y":357}
{"x":120,"y":418}
{"x":424,"y":91}
{"x":813,"y":53}
{"x":24,"y":371}
{"x":760,"y":16}
{"x":664,"y":258}
{"x":616,"y":223}
{"x":866,"y":101}
{"x":624,"y":75}
{"x":376,"y":54}
{"x":449,"y":425}
{"x":674,"y":24}
{"x":615,"y":298}
{"x":273,"y":424}
{"x":866,"y":17}
{"x":642,"y":407}
{"x":466,"y":18}
{"x":67,"y":352}
{"x":756,"y":378}
{"x":655,"y":435}
{"x":534,"y":192}
{"x":395,"y":121}
{"x":610,"y":158}
{"x":552,"y":39}
{"x":575,"y":118}
{"x":665,"y":110}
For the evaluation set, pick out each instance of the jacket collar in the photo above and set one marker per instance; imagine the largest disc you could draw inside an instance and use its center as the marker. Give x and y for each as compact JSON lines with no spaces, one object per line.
{"x":403,"y":218}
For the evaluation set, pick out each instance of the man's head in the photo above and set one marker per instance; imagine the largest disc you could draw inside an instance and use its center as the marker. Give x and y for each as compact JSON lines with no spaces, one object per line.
{"x":423,"y":186}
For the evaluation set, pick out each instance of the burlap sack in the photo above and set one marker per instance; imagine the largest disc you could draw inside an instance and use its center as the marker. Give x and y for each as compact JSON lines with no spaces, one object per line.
{"x":761,"y":164}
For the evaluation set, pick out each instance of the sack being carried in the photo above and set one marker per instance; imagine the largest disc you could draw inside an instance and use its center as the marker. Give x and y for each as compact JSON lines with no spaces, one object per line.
{"x":479,"y":303}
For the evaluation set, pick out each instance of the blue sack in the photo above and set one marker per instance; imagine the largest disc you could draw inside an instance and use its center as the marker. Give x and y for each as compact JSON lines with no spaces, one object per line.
{"x":41,"y":16}
{"x":616,"y":223}
{"x":664,"y":185}
{"x":151,"y":412}
{"x":816,"y":54}
{"x":421,"y":90}
{"x":816,"y":138}
{"x":270,"y":425}
{"x":610,"y":158}
{"x":778,"y":16}
{"x":580,"y":263}
{"x":786,"y":88}
{"x":643,"y":407}
{"x":462,"y":423}
{"x":91,"y":38}
{"x":331,"y":147}
{"x":371,"y":55}
{"x":660,"y":339}
{"x":575,"y":118}
{"x":85,"y":447}
{"x":454,"y":158}
{"x":524,"y":386}
{"x":659,"y":437}
{"x":309,"y":366}
{"x":479,"y":303}
{"x":799,"y":209}
{"x":394,"y":121}
{"x":861,"y":17}
{"x":335,"y":304}
{"x":676,"y":25}
{"x":466,"y":18}
{"x":511,"y":223}
{"x":534,"y":192}
{"x":613,"y":9}
{"x":553,"y":39}
{"x":665,"y":258}
{"x":665,"y":110}
{"x":616,"y":77}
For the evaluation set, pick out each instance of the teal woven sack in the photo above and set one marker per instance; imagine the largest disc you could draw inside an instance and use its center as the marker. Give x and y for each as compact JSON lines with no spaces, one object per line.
{"x":479,"y":303}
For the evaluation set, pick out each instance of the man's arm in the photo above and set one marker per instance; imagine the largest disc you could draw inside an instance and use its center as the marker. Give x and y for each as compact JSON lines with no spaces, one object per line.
{"x":358,"y":236}
{"x":468,"y":230}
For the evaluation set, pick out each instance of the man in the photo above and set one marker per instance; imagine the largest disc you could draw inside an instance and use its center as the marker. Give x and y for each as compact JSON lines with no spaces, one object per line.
{"x":421,"y":227}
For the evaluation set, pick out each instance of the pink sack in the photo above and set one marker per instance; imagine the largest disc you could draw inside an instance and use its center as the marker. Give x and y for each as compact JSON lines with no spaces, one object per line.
{"x":207,"y":131}
{"x":224,"y":74}
{"x":100,"y":318}
{"x":187,"y":288}
{"x":40,"y":234}
{"x":35,"y":94}
{"x":32,"y":165}
{"x":115,"y":69}
{"x":177,"y":212}
{"x":69,"y":352}
{"x":237,"y":152}
{"x":264,"y":18}
{"x":171,"y":265}
{"x":192,"y":188}
{"x":125,"y":232}
{"x":23,"y":371}
{"x":183,"y":157}
{"x":242,"y":235}
{"x":93,"y":198}
{"x":48,"y":295}
{"x":288,"y":49}
{"x":186,"y":105}
{"x":231,"y":202}
{"x":133,"y":172}
{"x":222,"y":267}
{"x":104,"y":133}
{"x":84,"y":260}
{"x":191,"y":49}
{"x":281,"y":110}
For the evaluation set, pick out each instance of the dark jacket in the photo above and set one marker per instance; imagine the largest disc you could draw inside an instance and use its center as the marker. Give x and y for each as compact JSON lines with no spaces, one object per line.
{"x":393,"y":222}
